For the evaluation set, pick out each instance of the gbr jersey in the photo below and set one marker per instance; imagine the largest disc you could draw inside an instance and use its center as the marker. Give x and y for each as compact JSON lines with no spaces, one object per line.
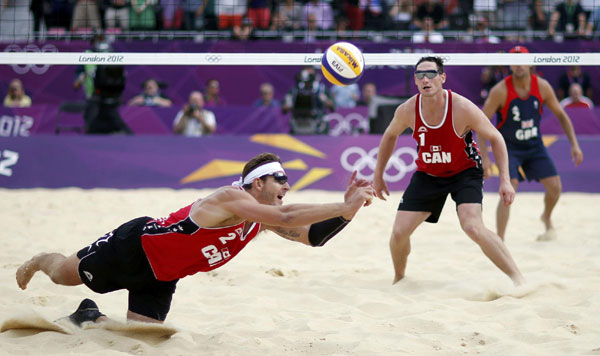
{"x":177,"y":247}
{"x":519,"y":119}
{"x":441,"y":151}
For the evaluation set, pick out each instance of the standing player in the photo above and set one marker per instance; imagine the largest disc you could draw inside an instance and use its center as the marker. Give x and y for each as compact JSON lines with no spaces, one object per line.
{"x":148,"y":256}
{"x":518,"y":99}
{"x":448,"y":163}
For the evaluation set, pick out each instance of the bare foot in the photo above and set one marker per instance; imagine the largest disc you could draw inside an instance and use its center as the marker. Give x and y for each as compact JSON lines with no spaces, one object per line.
{"x":397,"y":279}
{"x":547,"y":223}
{"x":549,"y":235}
{"x":26,"y":272}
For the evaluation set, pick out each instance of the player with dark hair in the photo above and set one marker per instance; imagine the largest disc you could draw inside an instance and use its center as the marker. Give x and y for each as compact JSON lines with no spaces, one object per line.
{"x":448,"y":163}
{"x":148,"y":256}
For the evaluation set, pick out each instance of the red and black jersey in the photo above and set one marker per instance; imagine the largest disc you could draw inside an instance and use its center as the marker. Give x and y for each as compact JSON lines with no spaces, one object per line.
{"x":177,"y":247}
{"x":519,"y":119}
{"x":441,"y":151}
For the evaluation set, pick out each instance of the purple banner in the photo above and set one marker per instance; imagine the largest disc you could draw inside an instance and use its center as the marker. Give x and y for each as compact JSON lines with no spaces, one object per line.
{"x":312,"y":162}
{"x":233,"y":120}
{"x":54,"y":84}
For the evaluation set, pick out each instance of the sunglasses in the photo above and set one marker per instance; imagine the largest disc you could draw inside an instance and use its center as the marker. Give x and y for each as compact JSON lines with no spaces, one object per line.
{"x":430,"y":74}
{"x":280,"y":177}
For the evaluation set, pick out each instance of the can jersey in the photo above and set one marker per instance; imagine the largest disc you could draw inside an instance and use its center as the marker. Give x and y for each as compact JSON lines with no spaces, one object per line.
{"x":519,"y":119}
{"x":441,"y":151}
{"x":177,"y":247}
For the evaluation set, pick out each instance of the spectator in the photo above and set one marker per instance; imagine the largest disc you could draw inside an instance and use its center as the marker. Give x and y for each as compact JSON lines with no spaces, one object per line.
{"x":38,"y":10}
{"x":230,"y":12}
{"x":117,"y":14}
{"x":515,"y":14}
{"x":151,"y":96}
{"x":259,"y":12}
{"x":211,"y":94}
{"x":245,"y":31}
{"x":488,"y":9}
{"x":345,"y":96}
{"x":428,"y":34}
{"x":211,"y":19}
{"x":355,"y":15}
{"x":538,"y":20}
{"x":193,"y":120}
{"x":61,"y":12}
{"x":267,"y":99}
{"x":594,"y":22}
{"x":288,"y":16}
{"x":375,"y":13}
{"x":170,"y":13}
{"x":16,"y":97}
{"x":369,"y":91}
{"x":86,"y":15}
{"x":568,"y":18}
{"x":430,"y":9}
{"x":320,"y":12}
{"x":141,"y":15}
{"x":576,"y":99}
{"x":193,"y":14}
{"x":480,"y":33}
{"x":574,"y":74}
{"x":401,"y":14}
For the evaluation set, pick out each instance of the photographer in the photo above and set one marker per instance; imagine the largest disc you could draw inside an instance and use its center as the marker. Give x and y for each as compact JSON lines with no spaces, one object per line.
{"x":104,"y":86}
{"x":193,"y":120}
{"x":308,"y":102}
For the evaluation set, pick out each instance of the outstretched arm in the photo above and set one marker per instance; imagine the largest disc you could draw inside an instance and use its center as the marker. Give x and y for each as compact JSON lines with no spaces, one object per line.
{"x":317,"y":234}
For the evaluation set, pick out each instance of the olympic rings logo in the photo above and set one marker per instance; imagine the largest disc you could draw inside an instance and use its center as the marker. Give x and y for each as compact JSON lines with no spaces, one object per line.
{"x":347,"y":125}
{"x":213,"y":58}
{"x":358,"y":159}
{"x":31,"y":48}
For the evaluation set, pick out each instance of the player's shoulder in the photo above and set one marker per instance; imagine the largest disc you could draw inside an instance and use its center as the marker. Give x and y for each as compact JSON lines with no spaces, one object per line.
{"x":408,"y":106}
{"x":499,"y":88}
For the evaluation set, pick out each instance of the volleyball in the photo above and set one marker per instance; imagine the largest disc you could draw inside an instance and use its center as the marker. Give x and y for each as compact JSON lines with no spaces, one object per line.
{"x":342,"y":64}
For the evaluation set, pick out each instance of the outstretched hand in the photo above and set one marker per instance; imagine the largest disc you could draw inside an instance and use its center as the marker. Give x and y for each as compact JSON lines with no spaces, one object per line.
{"x":359,"y":192}
{"x":354,"y":184}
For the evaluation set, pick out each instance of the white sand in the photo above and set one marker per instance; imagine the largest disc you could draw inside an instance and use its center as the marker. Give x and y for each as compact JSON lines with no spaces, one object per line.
{"x":283,"y":298}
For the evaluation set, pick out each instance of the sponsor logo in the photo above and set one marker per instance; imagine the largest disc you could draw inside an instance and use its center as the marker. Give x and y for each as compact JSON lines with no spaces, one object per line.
{"x":88,"y":275}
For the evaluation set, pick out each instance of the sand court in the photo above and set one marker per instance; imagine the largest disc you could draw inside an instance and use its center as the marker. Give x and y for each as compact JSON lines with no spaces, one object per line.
{"x":282,"y":298}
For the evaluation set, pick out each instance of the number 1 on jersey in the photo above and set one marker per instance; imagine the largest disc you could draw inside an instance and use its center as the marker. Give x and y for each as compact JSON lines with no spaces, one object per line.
{"x":422,"y":139}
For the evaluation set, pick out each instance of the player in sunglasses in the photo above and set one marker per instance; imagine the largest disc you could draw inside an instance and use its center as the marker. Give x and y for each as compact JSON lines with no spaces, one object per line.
{"x":448,"y":163}
{"x":148,"y":256}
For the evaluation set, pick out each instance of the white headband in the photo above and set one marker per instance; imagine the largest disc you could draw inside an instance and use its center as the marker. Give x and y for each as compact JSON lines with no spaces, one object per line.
{"x":258,"y":172}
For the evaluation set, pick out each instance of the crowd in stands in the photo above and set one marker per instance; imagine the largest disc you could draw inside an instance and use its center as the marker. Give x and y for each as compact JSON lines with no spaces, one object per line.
{"x":426,"y":18}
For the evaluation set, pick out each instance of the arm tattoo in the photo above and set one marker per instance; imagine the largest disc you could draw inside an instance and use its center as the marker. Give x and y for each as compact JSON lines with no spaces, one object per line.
{"x":288,"y":234}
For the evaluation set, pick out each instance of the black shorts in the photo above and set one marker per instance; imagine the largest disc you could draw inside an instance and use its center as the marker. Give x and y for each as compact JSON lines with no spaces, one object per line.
{"x":117,"y":261}
{"x":428,"y":193}
{"x":535,"y":163}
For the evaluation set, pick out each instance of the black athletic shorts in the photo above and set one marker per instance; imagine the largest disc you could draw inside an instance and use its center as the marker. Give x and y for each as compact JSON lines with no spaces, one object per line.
{"x":428,"y":193}
{"x":117,"y":261}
